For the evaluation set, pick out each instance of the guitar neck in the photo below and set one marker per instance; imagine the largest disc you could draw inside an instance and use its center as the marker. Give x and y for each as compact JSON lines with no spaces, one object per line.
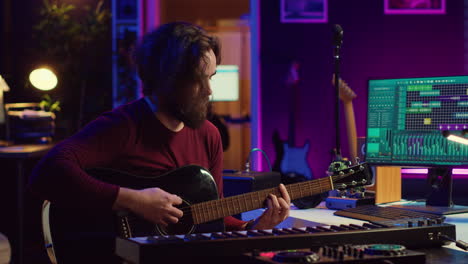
{"x":292,"y":116}
{"x":351,"y":129}
{"x":216,"y":209}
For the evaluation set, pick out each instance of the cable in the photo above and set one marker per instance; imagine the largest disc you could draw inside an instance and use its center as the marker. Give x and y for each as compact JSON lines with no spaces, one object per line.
{"x":247,"y":163}
{"x":461,"y":244}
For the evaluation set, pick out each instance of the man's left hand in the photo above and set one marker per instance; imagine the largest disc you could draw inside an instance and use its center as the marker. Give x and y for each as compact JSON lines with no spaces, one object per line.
{"x":277,"y":210}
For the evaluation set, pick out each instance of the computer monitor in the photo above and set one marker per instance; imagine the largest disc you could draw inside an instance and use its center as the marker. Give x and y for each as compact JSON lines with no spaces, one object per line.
{"x":225,"y":83}
{"x":406,"y":120}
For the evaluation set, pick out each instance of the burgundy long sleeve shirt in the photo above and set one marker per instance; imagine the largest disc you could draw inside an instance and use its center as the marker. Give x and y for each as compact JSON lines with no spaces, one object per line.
{"x":130,"y":138}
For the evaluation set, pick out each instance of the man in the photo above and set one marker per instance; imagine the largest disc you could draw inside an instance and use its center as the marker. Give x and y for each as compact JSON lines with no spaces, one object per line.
{"x":164,"y":130}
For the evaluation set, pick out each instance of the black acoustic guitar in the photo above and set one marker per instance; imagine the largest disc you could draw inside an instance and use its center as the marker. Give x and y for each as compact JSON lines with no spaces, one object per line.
{"x":203,"y":211}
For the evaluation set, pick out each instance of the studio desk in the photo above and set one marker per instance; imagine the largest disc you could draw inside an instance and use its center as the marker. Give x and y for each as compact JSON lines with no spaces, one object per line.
{"x":316,"y":235}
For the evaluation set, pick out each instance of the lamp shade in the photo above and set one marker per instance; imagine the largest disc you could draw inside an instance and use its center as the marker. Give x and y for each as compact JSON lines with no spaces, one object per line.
{"x":43,"y":79}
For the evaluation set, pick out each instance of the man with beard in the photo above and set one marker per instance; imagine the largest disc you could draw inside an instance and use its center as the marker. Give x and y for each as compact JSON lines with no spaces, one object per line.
{"x":163,"y":131}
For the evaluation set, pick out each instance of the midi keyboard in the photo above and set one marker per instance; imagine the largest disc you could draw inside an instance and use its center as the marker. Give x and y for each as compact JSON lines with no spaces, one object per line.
{"x":148,"y":249}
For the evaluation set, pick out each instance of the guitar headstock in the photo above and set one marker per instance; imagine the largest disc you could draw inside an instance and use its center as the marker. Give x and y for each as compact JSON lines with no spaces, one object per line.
{"x":293,"y":74}
{"x":346,"y":93}
{"x":358,"y":175}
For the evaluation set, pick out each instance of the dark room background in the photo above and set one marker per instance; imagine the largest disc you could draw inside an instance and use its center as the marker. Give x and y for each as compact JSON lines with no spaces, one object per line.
{"x":375,"y":45}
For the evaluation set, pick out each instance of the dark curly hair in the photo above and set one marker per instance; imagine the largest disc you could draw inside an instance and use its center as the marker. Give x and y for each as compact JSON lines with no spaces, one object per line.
{"x":169,"y":57}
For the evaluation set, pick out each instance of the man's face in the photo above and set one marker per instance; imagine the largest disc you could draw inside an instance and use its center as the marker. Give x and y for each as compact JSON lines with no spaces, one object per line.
{"x":191,"y":108}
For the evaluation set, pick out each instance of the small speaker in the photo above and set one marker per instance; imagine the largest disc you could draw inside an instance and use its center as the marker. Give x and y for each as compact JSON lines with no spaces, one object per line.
{"x":236,"y":183}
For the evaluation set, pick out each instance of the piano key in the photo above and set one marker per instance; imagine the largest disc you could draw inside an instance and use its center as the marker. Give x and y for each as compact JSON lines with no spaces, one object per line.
{"x":337,"y":228}
{"x":299,"y":230}
{"x":254,"y":233}
{"x":324,"y":229}
{"x":278,"y":231}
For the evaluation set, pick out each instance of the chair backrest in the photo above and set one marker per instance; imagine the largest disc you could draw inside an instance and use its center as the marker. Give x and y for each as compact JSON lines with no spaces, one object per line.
{"x":48,"y":243}
{"x":5,"y":250}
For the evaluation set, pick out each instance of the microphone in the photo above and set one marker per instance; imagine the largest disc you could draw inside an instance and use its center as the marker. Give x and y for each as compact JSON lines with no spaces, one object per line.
{"x":337,"y":35}
{"x":337,"y":41}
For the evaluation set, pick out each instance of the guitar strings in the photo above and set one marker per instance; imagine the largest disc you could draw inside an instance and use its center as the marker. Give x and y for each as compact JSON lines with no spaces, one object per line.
{"x":303,"y":188}
{"x":309,"y":188}
{"x":293,"y":188}
{"x":239,"y":198}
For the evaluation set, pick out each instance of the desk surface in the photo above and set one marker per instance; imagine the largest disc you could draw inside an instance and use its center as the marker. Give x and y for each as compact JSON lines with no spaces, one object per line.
{"x":323,"y":216}
{"x":24,"y":151}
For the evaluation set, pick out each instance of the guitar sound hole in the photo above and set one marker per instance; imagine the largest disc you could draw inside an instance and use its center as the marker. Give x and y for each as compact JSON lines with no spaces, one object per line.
{"x":184,"y":226}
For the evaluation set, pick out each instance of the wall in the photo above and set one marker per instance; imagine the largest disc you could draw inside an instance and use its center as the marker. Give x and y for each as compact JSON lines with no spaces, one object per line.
{"x":204,"y":12}
{"x":374,"y":46}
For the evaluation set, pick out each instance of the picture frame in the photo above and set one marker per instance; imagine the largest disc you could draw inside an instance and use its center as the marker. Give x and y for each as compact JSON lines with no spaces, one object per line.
{"x":412,"y":7}
{"x":304,"y":11}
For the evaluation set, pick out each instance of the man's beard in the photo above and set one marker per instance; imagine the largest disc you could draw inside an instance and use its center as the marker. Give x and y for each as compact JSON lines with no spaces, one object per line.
{"x":191,"y":110}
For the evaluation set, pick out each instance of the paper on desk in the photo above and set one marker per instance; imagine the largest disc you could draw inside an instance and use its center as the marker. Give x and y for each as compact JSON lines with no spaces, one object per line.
{"x":28,"y":114}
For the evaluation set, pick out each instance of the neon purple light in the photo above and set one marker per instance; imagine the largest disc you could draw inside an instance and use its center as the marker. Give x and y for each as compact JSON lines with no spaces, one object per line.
{"x":416,"y":11}
{"x":452,"y":126}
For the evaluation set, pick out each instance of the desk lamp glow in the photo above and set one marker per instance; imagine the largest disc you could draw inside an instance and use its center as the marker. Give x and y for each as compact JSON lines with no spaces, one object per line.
{"x":43,"y":79}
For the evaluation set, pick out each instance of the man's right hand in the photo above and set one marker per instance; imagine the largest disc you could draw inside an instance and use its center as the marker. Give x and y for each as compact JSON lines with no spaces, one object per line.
{"x":153,"y":204}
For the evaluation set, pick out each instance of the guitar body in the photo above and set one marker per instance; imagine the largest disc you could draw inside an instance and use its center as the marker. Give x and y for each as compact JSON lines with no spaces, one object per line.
{"x":294,"y":160}
{"x":93,"y":232}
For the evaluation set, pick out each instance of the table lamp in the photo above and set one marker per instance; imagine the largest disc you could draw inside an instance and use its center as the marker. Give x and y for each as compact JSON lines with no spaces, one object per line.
{"x":43,"y":79}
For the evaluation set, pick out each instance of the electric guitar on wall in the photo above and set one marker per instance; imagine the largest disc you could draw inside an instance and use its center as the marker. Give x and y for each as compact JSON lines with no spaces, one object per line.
{"x":291,"y":159}
{"x":71,"y":229}
{"x":346,"y":96}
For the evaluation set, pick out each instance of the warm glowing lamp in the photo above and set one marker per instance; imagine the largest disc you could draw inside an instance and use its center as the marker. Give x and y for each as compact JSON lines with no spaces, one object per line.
{"x":43,"y":79}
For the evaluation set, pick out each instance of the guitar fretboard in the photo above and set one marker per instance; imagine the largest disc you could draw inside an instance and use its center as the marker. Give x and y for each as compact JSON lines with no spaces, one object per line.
{"x":216,"y":209}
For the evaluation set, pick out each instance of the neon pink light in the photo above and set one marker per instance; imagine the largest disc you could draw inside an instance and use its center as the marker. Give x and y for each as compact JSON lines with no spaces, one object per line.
{"x":424,"y":171}
{"x":460,"y":173}
{"x":415,"y":11}
{"x":414,"y":171}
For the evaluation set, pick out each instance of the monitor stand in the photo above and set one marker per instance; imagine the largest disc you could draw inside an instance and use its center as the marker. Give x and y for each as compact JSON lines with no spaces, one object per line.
{"x":439,"y":200}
